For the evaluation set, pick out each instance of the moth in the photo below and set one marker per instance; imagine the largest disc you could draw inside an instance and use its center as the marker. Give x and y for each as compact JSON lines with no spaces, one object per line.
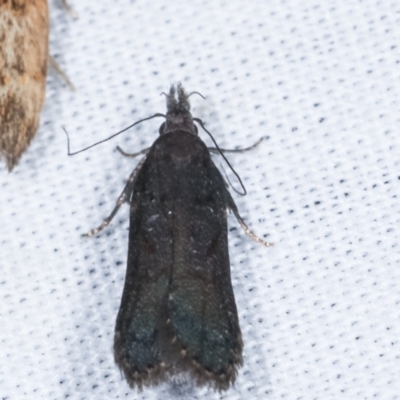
{"x":24,"y":46}
{"x":178,"y":311}
{"x":24,"y":27}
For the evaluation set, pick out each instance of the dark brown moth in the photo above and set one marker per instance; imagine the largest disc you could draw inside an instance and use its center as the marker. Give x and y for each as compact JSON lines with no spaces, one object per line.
{"x":178,"y":311}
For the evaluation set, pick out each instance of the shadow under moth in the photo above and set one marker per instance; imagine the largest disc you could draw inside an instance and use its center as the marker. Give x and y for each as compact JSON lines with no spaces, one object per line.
{"x":178,"y":311}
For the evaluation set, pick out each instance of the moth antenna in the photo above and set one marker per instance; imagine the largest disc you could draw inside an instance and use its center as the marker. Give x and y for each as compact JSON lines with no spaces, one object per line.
{"x":200,"y":122}
{"x":228,"y":180}
{"x":112,"y":136}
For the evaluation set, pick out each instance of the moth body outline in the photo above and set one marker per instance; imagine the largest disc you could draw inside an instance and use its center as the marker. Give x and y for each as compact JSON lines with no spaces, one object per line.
{"x":178,"y":311}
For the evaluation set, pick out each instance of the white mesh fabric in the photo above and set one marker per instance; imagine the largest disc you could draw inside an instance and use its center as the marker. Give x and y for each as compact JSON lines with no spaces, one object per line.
{"x":320,"y":311}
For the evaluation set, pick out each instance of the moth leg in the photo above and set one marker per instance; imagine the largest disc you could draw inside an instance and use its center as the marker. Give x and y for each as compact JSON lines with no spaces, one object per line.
{"x":69,"y":9}
{"x":60,"y":72}
{"x":232,"y":206}
{"x":123,"y":198}
{"x":253,"y":146}
{"x":249,"y":231}
{"x":132,"y":155}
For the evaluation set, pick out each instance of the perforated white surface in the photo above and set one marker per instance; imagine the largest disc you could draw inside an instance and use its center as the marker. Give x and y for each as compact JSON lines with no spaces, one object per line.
{"x":320,"y":311}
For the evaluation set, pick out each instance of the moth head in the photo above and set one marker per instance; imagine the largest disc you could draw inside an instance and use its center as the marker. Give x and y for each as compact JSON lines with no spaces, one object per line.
{"x":178,"y":117}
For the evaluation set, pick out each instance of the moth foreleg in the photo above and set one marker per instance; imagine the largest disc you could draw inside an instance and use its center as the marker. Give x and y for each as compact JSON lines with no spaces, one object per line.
{"x":123,"y":198}
{"x":253,"y":146}
{"x":132,"y":155}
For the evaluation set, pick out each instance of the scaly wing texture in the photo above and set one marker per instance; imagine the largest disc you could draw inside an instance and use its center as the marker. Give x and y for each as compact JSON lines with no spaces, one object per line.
{"x":142,"y":311}
{"x":178,"y":311}
{"x":23,"y":66}
{"x":201,"y":303}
